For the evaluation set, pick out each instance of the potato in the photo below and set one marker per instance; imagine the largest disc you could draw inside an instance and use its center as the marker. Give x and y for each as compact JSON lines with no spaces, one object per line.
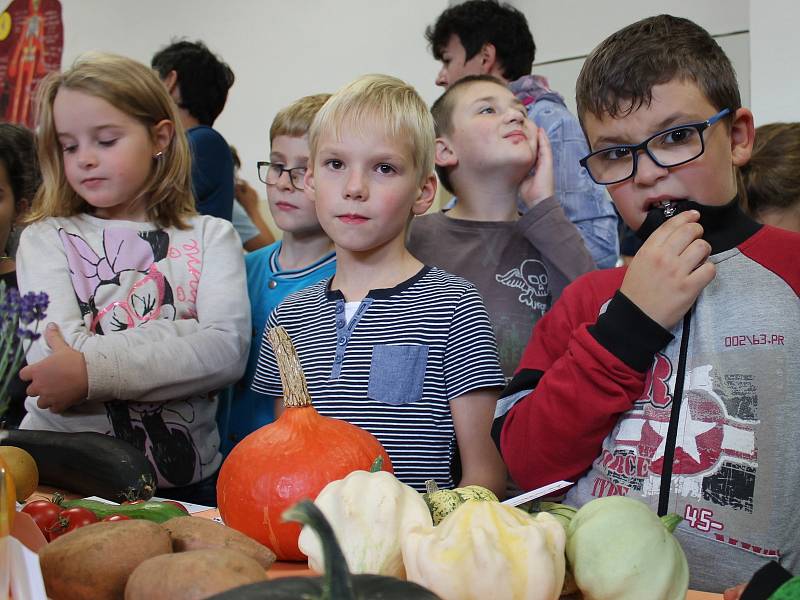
{"x":192,"y":575}
{"x":197,"y":533}
{"x":95,"y":561}
{"x":23,"y":470}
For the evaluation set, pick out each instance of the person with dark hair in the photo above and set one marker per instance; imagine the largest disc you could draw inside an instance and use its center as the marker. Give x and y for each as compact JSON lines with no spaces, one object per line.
{"x":484,"y":37}
{"x":19,"y":180}
{"x":673,"y":381}
{"x":772,"y":177}
{"x":199,"y":81}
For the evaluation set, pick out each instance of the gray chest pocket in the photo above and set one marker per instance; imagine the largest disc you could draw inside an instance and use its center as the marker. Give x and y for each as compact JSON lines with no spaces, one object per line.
{"x":397,"y":373}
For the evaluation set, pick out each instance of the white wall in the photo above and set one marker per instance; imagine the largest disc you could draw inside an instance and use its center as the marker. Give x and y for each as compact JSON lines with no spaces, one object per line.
{"x":279,"y":50}
{"x":283,"y":49}
{"x":566,"y":31}
{"x":775,"y":60}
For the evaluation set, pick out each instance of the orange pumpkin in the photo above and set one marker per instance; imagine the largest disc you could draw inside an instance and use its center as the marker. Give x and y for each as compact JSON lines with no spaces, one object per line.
{"x":289,"y":460}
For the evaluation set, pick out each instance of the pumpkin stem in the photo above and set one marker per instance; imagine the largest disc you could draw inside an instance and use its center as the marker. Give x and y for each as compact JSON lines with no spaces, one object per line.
{"x":431,"y":486}
{"x":671,"y":521}
{"x":336,"y":582}
{"x":295,"y":390}
{"x":377,"y":465}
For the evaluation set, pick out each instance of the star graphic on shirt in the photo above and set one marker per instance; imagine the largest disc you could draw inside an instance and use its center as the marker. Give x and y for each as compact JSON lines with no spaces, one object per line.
{"x":687,"y":424}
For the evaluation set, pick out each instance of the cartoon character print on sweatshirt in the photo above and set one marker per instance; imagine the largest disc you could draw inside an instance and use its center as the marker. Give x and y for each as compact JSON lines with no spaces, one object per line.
{"x":530,"y":277}
{"x":130,"y":263}
{"x":169,"y":446}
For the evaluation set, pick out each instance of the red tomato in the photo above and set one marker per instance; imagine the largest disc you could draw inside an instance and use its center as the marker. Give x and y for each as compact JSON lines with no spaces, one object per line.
{"x":117,"y":518}
{"x":176,"y":504}
{"x":69,"y":519}
{"x":43,"y":512}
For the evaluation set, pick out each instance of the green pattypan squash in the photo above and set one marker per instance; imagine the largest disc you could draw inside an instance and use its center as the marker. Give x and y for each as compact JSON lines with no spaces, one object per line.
{"x":442,"y":502}
{"x":620,"y":550}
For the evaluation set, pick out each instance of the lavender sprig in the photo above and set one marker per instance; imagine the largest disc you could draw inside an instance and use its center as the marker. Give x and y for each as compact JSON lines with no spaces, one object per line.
{"x":20,"y":317}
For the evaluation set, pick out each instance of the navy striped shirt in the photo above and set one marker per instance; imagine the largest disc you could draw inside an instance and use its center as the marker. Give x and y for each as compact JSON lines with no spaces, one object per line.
{"x":395,"y":367}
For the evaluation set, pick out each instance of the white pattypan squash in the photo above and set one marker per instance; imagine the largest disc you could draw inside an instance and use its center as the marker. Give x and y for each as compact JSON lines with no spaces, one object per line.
{"x":369,"y":513}
{"x":488,"y":550}
{"x":619,"y":549}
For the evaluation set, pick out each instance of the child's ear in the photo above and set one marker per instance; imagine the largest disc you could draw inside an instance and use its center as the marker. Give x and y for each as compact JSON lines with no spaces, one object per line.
{"x":427,"y":194}
{"x":488,"y":54}
{"x":445,"y":153}
{"x":742,"y":136}
{"x":308,"y":183}
{"x":171,"y":81}
{"x":162,"y":133}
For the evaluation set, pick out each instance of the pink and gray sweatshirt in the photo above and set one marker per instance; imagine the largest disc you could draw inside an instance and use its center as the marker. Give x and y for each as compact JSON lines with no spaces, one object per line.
{"x":163,"y":320}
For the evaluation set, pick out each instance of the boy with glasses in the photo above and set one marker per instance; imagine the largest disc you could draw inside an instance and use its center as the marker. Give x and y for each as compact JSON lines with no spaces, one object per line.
{"x":303,"y":257}
{"x":672,"y":381}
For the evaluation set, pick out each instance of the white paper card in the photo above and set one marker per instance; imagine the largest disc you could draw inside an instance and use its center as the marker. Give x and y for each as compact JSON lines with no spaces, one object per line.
{"x":19,"y":569}
{"x":537,"y":493}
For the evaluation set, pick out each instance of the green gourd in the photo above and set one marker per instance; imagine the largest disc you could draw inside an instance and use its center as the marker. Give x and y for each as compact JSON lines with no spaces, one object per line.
{"x":562,"y":512}
{"x":620,"y":550}
{"x":442,"y":502}
{"x":337,"y":583}
{"x":152,"y":510}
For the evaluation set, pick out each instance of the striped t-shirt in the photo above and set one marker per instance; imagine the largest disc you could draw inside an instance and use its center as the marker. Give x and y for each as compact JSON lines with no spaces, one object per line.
{"x":395,"y":366}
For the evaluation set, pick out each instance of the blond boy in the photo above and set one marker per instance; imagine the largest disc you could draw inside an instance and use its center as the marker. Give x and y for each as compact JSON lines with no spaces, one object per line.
{"x":403,"y":350}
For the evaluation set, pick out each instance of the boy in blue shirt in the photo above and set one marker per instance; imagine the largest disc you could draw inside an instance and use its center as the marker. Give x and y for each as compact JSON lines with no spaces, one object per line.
{"x":304,"y":256}
{"x":198,"y":81}
{"x":403,"y":350}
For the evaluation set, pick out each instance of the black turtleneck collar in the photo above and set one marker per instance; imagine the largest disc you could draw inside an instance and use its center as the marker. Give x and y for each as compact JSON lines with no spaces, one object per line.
{"x":724,"y":227}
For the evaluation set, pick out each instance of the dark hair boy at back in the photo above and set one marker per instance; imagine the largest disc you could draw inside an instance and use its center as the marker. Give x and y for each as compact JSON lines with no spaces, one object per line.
{"x":198,"y":81}
{"x":486,"y":22}
{"x":486,"y":37}
{"x":203,"y":79}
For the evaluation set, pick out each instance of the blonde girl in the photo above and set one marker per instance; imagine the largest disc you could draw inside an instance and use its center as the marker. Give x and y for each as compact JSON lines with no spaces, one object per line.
{"x":148,"y":302}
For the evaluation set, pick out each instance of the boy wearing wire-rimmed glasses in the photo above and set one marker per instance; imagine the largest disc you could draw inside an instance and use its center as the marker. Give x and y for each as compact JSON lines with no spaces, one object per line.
{"x":302,"y":257}
{"x":673,"y":381}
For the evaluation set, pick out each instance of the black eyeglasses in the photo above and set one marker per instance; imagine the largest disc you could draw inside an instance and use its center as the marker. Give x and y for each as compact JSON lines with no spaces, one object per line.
{"x":669,"y":148}
{"x":270,"y":173}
